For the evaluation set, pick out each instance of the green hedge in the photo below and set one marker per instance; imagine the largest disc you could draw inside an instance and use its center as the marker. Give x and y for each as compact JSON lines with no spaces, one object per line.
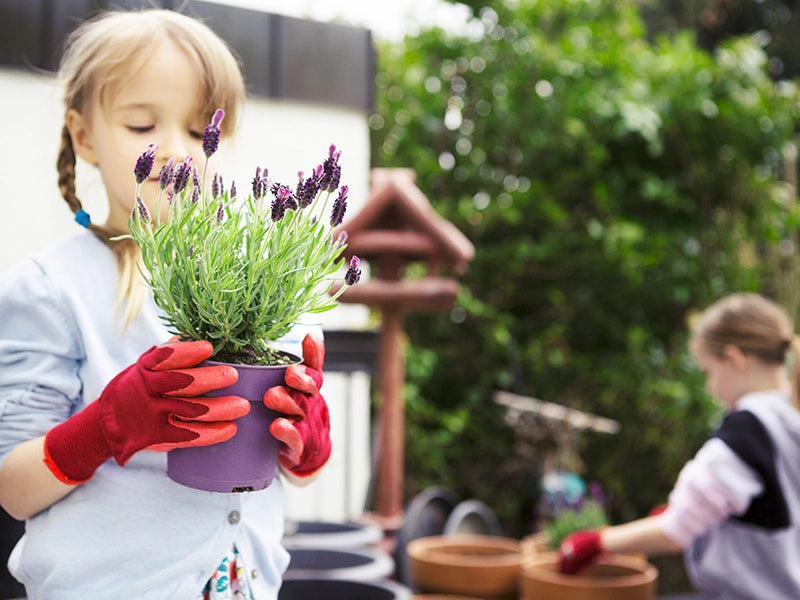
{"x":611,"y":186}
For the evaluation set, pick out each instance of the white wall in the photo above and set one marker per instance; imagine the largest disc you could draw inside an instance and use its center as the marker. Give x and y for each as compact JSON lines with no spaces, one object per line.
{"x":284,"y":137}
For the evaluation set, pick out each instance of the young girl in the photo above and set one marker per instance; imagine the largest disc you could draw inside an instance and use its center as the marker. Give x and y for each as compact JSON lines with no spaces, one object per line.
{"x":735,"y":508}
{"x":88,"y":372}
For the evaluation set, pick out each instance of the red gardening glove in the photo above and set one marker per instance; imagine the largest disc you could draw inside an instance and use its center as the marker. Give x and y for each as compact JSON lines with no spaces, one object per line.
{"x":152,"y":404}
{"x":657,"y":510}
{"x":578,"y":550}
{"x":305,"y":431}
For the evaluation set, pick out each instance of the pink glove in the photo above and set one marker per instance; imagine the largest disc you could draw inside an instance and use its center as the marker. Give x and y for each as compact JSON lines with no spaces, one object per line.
{"x":305,"y":431}
{"x":152,"y":404}
{"x":578,"y":550}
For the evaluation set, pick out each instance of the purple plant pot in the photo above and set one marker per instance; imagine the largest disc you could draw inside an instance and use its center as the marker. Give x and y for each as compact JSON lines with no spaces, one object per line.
{"x":248,"y":460}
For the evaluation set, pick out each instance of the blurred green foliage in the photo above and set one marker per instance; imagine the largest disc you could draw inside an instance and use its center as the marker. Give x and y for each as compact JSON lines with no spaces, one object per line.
{"x":612,"y":183}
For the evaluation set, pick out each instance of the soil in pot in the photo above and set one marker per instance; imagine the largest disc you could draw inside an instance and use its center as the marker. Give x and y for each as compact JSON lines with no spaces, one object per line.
{"x":470,"y":565}
{"x":612,"y":577}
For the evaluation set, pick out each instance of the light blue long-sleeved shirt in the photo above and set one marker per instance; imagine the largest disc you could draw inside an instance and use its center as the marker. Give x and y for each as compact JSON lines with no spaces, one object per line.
{"x":129,"y":532}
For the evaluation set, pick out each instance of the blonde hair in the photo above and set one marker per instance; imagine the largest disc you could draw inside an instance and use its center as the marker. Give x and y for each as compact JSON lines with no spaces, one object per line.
{"x":99,"y":56}
{"x":754,"y":324}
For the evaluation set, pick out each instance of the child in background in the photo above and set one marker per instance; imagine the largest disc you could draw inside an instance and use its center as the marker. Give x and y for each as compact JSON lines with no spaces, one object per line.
{"x":735,"y":507}
{"x":88,"y":371}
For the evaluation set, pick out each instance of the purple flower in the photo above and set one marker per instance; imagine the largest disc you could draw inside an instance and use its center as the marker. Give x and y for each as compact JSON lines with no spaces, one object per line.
{"x":141,"y":210}
{"x":331,"y":171}
{"x":166,"y":173}
{"x":307,"y":189}
{"x":195,"y":195}
{"x":212,"y":133}
{"x":260,"y":183}
{"x":191,"y":250}
{"x":341,"y":239}
{"x":182,"y":173}
{"x":233,"y":190}
{"x":217,"y":188}
{"x":144,"y":164}
{"x":278,"y":209}
{"x":279,"y":204}
{"x":289,"y":201}
{"x":339,"y":207}
{"x":221,"y":213}
{"x":353,"y":272}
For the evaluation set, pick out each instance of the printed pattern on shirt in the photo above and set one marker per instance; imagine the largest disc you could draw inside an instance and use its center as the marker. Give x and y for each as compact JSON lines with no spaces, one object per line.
{"x":229,"y":581}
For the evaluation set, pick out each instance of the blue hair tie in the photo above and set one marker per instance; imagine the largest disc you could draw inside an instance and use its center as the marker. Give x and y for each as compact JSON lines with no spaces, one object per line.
{"x":83,"y":218}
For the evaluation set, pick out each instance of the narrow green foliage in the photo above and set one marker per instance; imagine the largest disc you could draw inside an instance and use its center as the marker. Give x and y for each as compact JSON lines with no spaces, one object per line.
{"x":234,"y":271}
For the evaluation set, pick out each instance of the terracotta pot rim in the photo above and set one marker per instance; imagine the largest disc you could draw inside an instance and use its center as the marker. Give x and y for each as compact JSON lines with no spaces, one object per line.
{"x":433,"y":549}
{"x":542,"y":566}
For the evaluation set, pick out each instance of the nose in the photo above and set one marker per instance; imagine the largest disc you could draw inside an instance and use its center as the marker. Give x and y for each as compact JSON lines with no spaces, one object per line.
{"x":172,"y":144}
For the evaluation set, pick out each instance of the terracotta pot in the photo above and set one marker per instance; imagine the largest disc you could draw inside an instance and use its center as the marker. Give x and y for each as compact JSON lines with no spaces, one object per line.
{"x":612,"y":577}
{"x":535,"y":544}
{"x":470,"y":565}
{"x":246,"y":462}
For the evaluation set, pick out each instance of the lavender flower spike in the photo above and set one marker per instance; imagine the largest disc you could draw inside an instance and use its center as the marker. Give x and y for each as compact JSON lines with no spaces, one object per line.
{"x":353,"y":271}
{"x":212,"y":133}
{"x":331,"y":171}
{"x":141,"y":209}
{"x":144,"y":164}
{"x":166,"y":174}
{"x":182,"y":173}
{"x":339,"y":207}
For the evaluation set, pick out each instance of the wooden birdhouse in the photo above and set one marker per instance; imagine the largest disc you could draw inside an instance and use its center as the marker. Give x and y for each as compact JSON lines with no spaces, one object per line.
{"x":396,"y":227}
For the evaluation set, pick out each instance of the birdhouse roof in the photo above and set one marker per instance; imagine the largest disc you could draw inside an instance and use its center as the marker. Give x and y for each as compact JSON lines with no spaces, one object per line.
{"x":395,"y":203}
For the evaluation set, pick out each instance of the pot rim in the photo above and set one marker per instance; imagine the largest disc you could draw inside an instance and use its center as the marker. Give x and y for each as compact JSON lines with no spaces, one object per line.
{"x":542,"y":567}
{"x":241,"y":366}
{"x":433,"y":549}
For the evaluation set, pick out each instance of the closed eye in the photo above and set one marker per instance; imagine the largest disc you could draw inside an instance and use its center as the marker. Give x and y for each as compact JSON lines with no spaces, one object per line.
{"x":141,"y":129}
{"x":198,"y":135}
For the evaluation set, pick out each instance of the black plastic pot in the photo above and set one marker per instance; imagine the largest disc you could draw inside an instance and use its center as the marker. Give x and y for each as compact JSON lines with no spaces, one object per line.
{"x":321,"y":534}
{"x":472,"y":517}
{"x":425,"y":516}
{"x":355,"y":564}
{"x":334,"y":589}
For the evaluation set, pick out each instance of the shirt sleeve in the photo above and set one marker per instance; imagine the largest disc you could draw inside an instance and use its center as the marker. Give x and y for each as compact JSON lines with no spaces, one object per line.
{"x":713,"y":486}
{"x":40,"y":354}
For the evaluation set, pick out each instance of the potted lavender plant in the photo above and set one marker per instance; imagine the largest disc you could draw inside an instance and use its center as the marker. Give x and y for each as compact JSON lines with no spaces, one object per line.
{"x":240,"y":272}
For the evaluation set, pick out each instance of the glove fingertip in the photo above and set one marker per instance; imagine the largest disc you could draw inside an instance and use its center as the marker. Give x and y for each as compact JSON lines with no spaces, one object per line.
{"x":178,"y":354}
{"x":313,"y":351}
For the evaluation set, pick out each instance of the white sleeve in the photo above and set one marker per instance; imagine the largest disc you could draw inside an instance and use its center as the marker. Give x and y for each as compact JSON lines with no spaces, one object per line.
{"x":714,"y":485}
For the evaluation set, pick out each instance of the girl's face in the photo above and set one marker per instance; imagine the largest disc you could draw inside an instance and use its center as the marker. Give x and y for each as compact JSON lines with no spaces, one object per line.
{"x":159,"y":104}
{"x":725,"y":376}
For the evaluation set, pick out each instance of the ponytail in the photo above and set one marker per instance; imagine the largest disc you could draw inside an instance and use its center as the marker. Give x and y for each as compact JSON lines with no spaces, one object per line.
{"x":130,"y":292}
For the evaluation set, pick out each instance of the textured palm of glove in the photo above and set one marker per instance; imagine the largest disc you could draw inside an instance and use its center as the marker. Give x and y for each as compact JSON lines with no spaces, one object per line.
{"x":578,"y":550}
{"x":152,"y":404}
{"x":305,"y":431}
